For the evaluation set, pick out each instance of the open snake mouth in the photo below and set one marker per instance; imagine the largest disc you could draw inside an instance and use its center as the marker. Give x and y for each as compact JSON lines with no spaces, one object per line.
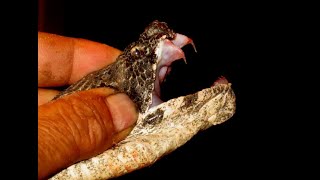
{"x":167,"y":52}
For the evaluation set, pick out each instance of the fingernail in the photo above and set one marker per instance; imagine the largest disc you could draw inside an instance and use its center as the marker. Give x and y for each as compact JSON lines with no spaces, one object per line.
{"x":122,"y":110}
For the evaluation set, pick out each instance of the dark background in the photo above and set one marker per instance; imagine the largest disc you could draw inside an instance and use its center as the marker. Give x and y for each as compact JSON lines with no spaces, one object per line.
{"x":234,"y":40}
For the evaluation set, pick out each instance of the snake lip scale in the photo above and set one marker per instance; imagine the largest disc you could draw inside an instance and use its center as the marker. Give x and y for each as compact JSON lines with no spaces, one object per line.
{"x":161,"y":127}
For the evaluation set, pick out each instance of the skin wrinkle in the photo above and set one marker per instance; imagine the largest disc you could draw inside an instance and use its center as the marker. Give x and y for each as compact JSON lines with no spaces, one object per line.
{"x":47,"y":152}
{"x":78,"y":108}
{"x":91,"y":120}
{"x":99,"y":125}
{"x":93,"y":124}
{"x":66,"y":143}
{"x":54,"y":129}
{"x":46,"y":143}
{"x":72,"y":137}
{"x":87,"y":118}
{"x":63,"y":141}
{"x":84,"y":120}
{"x":68,"y":120}
{"x":96,"y":126}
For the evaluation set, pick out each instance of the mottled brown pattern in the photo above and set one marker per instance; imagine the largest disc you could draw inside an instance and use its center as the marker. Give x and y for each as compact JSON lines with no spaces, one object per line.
{"x":160,"y":129}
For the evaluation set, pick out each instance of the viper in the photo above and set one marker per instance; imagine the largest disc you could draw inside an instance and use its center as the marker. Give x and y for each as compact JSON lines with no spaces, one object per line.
{"x":162,"y":126}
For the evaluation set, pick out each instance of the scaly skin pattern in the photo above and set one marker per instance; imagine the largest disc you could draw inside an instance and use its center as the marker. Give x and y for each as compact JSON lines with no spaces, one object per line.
{"x":159,"y":130}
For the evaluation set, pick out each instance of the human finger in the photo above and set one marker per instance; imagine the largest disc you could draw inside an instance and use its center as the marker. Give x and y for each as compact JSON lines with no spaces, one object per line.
{"x":64,"y":60}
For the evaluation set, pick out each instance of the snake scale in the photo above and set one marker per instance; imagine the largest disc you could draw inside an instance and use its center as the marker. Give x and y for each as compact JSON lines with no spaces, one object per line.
{"x":161,"y":126}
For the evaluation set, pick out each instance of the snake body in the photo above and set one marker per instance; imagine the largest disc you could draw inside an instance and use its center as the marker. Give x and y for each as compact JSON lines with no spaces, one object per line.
{"x":161,"y":126}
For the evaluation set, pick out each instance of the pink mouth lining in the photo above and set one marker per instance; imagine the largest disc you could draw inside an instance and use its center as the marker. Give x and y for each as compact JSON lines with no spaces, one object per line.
{"x":171,"y":51}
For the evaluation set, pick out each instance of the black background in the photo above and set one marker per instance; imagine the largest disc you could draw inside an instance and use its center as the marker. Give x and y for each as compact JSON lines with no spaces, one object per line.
{"x":238,"y":41}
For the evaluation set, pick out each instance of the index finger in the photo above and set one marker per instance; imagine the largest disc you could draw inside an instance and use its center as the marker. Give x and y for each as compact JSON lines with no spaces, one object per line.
{"x":64,"y":60}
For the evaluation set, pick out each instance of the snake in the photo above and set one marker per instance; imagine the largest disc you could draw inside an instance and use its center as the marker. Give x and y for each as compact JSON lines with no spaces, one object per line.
{"x":162,"y":127}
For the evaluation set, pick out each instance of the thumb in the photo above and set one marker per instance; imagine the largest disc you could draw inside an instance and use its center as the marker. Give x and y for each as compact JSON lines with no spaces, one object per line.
{"x":81,"y":125}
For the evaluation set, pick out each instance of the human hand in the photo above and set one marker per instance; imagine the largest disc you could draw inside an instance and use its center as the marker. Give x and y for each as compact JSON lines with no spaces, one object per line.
{"x":83,"y":124}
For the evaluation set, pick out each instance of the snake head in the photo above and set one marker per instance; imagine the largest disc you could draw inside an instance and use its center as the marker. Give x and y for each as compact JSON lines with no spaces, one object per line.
{"x":145,"y":63}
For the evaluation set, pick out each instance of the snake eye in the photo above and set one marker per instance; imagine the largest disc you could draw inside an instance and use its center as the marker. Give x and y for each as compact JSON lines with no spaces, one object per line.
{"x":138,"y":51}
